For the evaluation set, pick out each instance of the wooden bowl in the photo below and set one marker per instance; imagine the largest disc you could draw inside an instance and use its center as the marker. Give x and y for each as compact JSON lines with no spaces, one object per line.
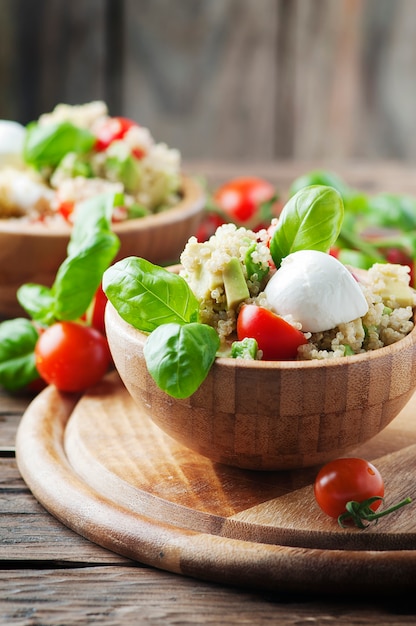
{"x":272,"y":415}
{"x":32,"y":253}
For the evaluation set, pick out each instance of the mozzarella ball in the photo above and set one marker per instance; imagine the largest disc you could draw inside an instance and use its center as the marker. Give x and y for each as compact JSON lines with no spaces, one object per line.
{"x":315,"y":290}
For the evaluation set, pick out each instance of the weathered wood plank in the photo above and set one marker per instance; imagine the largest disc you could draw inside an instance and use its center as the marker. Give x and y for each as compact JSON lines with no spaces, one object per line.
{"x":201,"y":83}
{"x":10,"y":480}
{"x":280,"y":79}
{"x":29,"y":533}
{"x":11,"y":410}
{"x":54,"y":576}
{"x":115,"y":595}
{"x":369,"y":177}
{"x":8,"y":61}
{"x":59,"y":53}
{"x":224,"y":78}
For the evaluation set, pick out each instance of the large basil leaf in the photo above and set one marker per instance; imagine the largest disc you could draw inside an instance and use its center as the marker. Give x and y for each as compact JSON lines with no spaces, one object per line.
{"x":146,"y":295}
{"x":46,"y":145}
{"x":179,"y":357}
{"x":18,"y":338}
{"x":311,"y":220}
{"x":91,"y":249}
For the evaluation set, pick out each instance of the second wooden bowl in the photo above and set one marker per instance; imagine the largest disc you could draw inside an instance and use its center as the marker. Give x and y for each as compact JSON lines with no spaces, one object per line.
{"x":273,"y":415}
{"x":31,"y":253}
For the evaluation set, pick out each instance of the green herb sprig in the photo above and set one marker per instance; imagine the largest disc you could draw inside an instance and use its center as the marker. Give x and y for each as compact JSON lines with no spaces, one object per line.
{"x":92,"y":247}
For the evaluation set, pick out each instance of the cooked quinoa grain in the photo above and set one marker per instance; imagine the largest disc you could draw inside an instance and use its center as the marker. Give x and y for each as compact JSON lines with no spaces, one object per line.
{"x":148,"y":174}
{"x":203,"y":267}
{"x":385,"y":286}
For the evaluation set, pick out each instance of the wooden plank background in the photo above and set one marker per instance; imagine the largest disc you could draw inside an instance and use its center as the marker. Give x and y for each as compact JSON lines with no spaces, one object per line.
{"x":247,"y":80}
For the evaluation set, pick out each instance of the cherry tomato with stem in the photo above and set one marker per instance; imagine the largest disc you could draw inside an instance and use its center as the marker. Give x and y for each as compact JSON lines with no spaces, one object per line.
{"x":276,"y":338}
{"x":343,"y":480}
{"x":351,"y":489}
{"x":113,"y":129}
{"x":71,"y":356}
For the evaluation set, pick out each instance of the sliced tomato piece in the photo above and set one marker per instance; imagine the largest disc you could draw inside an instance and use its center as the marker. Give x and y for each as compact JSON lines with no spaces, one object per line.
{"x":113,"y":129}
{"x":276,"y":338}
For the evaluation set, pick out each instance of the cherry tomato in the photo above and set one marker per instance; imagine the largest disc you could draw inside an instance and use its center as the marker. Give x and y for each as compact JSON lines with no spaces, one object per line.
{"x":36,"y":386}
{"x":66,"y":209}
{"x":277,"y":339}
{"x":113,"y":129}
{"x":394,"y":255}
{"x":138,"y":153}
{"x":241,"y":198}
{"x":71,"y":356}
{"x":97,"y":319}
{"x":208,"y":226}
{"x":345,"y":480}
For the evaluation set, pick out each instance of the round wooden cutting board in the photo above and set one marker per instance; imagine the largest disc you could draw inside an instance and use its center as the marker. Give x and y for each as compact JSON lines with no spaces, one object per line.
{"x":106,"y":471}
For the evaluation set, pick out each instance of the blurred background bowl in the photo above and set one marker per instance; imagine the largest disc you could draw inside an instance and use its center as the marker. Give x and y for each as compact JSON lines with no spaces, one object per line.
{"x":269,"y":415}
{"x":32,"y":253}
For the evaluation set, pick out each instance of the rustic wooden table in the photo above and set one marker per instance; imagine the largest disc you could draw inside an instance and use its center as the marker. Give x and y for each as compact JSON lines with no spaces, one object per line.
{"x":52,"y":576}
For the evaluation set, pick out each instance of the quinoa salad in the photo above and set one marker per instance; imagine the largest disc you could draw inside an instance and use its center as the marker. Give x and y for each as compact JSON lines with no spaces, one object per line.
{"x":277,"y":294}
{"x":390,"y":310}
{"x":76,"y":152}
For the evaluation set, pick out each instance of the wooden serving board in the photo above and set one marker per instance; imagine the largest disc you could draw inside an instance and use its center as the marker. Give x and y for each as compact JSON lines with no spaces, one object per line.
{"x":106,"y":471}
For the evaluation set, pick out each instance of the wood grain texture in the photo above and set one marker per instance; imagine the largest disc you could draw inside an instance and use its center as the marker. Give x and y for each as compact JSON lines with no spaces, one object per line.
{"x":272,"y":416}
{"x":368,"y":176}
{"x":114,"y":477}
{"x":224,"y":78}
{"x":113,"y":595}
{"x":56,"y":577}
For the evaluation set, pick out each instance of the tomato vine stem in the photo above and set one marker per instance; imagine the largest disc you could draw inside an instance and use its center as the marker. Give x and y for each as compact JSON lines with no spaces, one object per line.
{"x":360,"y":512}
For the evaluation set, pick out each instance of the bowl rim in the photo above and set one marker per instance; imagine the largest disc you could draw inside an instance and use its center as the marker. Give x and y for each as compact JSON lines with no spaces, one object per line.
{"x":226,"y":362}
{"x":191,"y":203}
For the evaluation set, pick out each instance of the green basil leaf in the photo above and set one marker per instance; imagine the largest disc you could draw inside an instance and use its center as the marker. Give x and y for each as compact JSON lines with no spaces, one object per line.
{"x":125,"y":170}
{"x":392,"y":211}
{"x":179,"y":357}
{"x":93,"y":217}
{"x":47,"y":145}
{"x":147,"y":296}
{"x":137,"y":210}
{"x":311,"y":220}
{"x":38,"y":302}
{"x":91,"y":249}
{"x":320,"y":177}
{"x":354,"y":201}
{"x":252,"y":267}
{"x":79,"y":277}
{"x":355,"y":258}
{"x":18,"y":339}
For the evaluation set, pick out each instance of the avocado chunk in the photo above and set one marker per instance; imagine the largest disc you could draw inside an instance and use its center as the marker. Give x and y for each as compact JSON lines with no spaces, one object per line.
{"x":398,"y":291}
{"x":203,"y":282}
{"x":245,"y":349}
{"x":235,"y":285}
